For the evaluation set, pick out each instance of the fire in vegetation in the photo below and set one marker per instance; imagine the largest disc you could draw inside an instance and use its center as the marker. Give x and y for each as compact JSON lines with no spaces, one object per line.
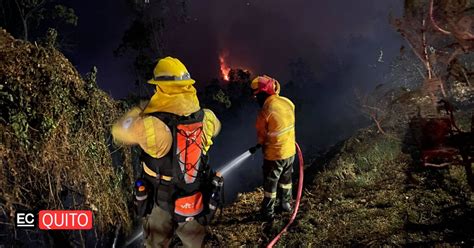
{"x":224,"y":66}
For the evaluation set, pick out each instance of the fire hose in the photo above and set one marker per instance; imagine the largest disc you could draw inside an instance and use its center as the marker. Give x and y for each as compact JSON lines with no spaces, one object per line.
{"x":298,"y":199}
{"x":237,"y":161}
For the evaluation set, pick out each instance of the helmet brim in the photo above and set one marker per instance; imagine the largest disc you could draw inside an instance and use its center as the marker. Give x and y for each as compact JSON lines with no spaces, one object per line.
{"x":175,"y":82}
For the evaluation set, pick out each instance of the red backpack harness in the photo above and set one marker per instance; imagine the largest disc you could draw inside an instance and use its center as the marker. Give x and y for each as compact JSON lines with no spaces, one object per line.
{"x":183,"y":174}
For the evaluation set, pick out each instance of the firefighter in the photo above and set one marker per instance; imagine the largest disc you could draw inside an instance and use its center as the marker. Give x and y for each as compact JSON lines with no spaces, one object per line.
{"x":276,"y":135}
{"x":175,"y":135}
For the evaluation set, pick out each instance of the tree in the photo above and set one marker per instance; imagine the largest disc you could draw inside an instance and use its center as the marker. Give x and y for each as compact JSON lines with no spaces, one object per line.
{"x":238,"y":87}
{"x":382,"y":107}
{"x":214,"y":97}
{"x":30,"y":14}
{"x":437,"y":34}
{"x":228,"y":97}
{"x":458,"y":22}
{"x":144,"y":39}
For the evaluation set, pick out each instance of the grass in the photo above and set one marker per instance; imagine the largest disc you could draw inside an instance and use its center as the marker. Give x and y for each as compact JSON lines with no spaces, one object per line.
{"x":365,"y":192}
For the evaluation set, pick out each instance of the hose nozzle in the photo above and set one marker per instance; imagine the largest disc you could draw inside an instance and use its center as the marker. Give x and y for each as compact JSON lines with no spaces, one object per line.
{"x":254,"y":149}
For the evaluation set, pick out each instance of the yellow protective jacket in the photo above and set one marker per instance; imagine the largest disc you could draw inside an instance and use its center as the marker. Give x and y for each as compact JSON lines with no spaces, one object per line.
{"x":153,"y":136}
{"x":276,"y":128}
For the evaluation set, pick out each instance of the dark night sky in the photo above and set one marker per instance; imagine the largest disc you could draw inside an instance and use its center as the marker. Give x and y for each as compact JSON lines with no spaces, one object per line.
{"x":263,"y":36}
{"x":98,"y":33}
{"x":340,"y":40}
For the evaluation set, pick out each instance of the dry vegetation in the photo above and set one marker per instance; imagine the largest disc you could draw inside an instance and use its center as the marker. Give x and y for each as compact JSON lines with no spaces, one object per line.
{"x":369,"y":190}
{"x":56,"y":147}
{"x":366,"y":191}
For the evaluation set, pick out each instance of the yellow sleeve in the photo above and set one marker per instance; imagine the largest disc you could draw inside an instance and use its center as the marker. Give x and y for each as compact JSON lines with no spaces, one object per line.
{"x":122,"y":128}
{"x":153,"y":136}
{"x":211,"y":128}
{"x":211,"y":122}
{"x":261,"y":125}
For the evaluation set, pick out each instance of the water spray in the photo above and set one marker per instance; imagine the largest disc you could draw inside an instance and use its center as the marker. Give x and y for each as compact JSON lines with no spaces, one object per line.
{"x":138,"y":234}
{"x":234,"y":163}
{"x":238,"y":160}
{"x":226,"y":168}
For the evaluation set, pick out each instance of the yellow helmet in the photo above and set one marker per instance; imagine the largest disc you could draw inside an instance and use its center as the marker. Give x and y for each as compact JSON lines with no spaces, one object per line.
{"x":169,"y":70}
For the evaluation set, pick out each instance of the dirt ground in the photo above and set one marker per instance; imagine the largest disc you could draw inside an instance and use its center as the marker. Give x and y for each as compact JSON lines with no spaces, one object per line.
{"x":366,"y":191}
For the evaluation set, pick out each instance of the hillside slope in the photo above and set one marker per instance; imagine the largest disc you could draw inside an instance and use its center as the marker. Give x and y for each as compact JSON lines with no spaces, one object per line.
{"x":56,"y":147}
{"x":366,"y":191}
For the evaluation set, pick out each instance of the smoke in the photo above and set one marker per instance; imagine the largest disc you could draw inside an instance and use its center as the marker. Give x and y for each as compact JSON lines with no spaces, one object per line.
{"x":266,"y":35}
{"x":236,"y":137}
{"x":327,"y":49}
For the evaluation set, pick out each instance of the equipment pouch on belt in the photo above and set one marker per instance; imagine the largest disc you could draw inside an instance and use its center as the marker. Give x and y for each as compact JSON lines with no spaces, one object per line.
{"x":143,"y":197}
{"x":186,"y":208}
{"x":214,"y":198}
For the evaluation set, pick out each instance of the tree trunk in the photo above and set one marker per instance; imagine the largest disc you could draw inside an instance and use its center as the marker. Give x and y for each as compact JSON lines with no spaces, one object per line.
{"x":25,"y":29}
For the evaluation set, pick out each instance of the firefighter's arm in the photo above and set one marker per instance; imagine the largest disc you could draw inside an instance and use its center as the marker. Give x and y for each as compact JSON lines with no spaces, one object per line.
{"x":157,"y":138}
{"x":261,"y":126}
{"x":122,"y":130}
{"x":213,"y":125}
{"x":153,"y":136}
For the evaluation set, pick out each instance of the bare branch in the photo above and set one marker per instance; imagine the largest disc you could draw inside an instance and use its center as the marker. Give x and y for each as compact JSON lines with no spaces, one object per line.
{"x":410,"y":44}
{"x":466,"y":77}
{"x":425,"y":49}
{"x":434,"y":22}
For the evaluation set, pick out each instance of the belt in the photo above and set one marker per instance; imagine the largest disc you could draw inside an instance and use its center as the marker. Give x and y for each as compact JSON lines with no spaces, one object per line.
{"x":151,"y":173}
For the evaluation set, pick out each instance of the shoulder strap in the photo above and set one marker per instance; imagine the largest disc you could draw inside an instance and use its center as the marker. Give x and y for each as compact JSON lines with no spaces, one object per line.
{"x":171,"y":119}
{"x":168,"y":118}
{"x":179,"y":126}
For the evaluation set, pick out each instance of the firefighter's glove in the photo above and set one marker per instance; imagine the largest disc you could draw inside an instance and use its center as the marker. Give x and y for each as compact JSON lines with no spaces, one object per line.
{"x":254,"y":149}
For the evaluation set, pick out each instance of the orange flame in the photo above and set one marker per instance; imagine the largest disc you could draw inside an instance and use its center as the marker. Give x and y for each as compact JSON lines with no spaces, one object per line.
{"x":225,"y":69}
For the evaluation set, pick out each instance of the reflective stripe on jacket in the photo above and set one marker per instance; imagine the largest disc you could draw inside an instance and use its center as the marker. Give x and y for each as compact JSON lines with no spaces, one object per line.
{"x":276,"y":128}
{"x":153,"y":136}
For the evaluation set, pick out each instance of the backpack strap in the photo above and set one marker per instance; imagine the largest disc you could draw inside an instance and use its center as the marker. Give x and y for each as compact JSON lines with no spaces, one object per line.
{"x":173,"y":121}
{"x":189,"y":173}
{"x":168,"y":118}
{"x":182,"y":174}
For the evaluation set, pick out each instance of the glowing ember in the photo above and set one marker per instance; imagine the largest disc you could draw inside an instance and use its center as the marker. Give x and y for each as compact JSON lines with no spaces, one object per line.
{"x":225,"y":69}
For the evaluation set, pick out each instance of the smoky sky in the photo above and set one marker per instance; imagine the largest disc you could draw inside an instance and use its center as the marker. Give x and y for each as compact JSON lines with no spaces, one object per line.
{"x":345,"y":45}
{"x":262,"y":36}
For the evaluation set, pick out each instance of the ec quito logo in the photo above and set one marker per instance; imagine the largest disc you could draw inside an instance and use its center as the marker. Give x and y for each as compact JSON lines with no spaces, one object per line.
{"x":55,"y":220}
